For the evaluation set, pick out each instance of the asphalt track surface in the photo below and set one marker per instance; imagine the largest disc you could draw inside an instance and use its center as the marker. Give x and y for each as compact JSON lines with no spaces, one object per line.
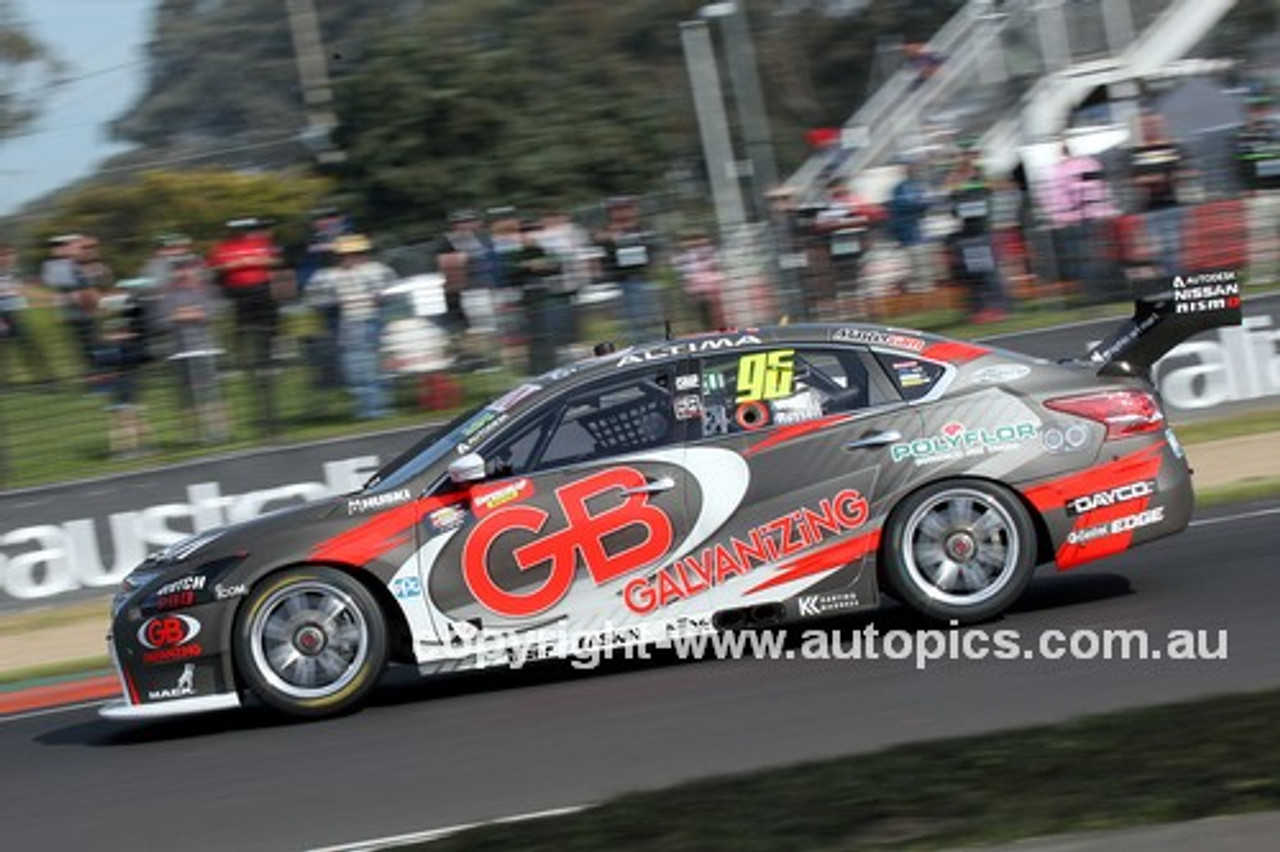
{"x":437,"y":753}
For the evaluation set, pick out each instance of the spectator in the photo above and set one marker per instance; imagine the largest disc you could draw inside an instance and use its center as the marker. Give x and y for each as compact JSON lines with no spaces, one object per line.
{"x":1159,"y":169}
{"x":571,"y":246}
{"x":1081,"y":211}
{"x":122,"y":350}
{"x":907,"y":208}
{"x":698,"y":265}
{"x":533,"y":270}
{"x":506,"y":244}
{"x":467,"y":262}
{"x":843,"y":224}
{"x":356,"y":285}
{"x":159,"y":265}
{"x":13,"y":329}
{"x":244,"y":263}
{"x":630,"y":254}
{"x":77,"y":295}
{"x":972,"y":254}
{"x":1258,"y":148}
{"x":188,"y":307}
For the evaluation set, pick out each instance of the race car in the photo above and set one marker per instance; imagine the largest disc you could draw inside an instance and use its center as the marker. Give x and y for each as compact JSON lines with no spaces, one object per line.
{"x":733,"y":480}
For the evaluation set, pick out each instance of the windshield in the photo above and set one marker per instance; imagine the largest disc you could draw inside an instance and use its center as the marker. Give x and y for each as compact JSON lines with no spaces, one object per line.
{"x":464,"y":432}
{"x":426,"y":452}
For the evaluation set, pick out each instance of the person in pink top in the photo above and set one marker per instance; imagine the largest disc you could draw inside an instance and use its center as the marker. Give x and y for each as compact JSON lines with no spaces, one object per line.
{"x":1081,"y":210}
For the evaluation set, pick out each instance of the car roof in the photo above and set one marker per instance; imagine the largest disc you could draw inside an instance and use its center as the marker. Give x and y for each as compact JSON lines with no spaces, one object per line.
{"x":906,"y":341}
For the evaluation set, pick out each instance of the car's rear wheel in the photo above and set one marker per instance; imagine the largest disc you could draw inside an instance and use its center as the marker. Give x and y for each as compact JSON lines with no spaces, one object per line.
{"x":310,"y":641}
{"x":962,"y":550}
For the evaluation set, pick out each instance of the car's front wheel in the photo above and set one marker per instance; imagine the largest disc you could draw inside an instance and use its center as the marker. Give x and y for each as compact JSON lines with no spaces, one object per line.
{"x":310,"y":641}
{"x":962,"y":550}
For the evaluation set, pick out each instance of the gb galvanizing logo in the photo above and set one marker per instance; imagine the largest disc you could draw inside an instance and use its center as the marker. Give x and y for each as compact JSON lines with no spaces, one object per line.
{"x":956,"y":441}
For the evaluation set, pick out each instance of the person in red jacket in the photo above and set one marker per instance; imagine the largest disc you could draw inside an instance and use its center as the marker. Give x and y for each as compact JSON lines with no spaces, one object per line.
{"x":245,"y":263}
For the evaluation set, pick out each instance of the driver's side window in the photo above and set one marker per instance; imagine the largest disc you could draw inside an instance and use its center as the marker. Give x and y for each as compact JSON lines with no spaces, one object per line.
{"x":628,"y":414}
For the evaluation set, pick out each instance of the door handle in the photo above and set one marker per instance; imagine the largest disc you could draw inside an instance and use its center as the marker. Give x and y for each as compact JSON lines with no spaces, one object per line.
{"x":665,"y":483}
{"x":875,"y":439}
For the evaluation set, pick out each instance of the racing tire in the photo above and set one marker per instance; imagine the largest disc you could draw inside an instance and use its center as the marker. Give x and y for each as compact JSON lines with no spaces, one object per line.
{"x":310,"y":642}
{"x":960,"y":550}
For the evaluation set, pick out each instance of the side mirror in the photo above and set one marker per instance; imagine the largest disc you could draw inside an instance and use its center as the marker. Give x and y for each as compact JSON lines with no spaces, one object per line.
{"x":469,"y":468}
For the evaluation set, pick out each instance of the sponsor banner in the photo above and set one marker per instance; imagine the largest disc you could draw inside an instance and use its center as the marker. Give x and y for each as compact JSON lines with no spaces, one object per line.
{"x":1215,"y":370}
{"x":79,"y":540}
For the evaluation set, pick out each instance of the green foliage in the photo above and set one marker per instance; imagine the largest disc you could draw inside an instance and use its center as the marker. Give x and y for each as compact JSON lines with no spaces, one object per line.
{"x":27,"y":65}
{"x":533,"y":102}
{"x":127,"y":216}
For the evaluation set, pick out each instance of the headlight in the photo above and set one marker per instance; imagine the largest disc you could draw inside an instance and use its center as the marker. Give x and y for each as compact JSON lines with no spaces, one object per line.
{"x":136,"y":579}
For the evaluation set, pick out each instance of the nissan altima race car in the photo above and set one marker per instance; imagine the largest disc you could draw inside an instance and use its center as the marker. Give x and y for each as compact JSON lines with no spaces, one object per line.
{"x":723,"y":481}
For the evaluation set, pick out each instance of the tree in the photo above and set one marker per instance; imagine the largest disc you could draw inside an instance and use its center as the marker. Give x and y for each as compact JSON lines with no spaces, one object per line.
{"x":126,"y":216}
{"x":27,"y":69}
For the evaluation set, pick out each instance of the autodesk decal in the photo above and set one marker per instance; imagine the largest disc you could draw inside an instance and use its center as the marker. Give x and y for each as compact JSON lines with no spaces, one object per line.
{"x":956,"y":441}
{"x":49,"y":559}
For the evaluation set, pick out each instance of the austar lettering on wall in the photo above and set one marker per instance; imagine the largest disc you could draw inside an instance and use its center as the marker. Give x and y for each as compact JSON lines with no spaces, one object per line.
{"x":43,"y":560}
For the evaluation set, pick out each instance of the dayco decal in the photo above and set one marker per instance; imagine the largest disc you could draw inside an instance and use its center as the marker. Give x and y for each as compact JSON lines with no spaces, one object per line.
{"x":185,"y":686}
{"x":956,"y":441}
{"x":50,"y":559}
{"x":1119,"y":494}
{"x":871,"y":337}
{"x":589,"y":519}
{"x":377,"y":502}
{"x":811,"y":605}
{"x":687,"y":347}
{"x":788,"y":535}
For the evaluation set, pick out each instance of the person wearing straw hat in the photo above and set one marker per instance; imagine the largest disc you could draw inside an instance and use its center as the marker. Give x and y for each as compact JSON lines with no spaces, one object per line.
{"x":356,"y":286}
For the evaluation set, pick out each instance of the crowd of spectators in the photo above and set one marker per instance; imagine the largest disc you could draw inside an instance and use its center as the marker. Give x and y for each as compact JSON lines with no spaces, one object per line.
{"x":528,"y":292}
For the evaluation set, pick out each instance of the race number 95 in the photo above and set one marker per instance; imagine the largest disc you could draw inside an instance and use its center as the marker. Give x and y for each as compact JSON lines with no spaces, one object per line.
{"x":766,"y":375}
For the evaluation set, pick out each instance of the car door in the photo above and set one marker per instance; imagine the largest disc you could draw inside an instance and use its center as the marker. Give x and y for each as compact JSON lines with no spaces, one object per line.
{"x":580,"y":497}
{"x":812,"y":425}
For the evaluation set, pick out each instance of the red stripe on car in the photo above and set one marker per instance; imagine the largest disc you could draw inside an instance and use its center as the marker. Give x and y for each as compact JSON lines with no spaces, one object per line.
{"x":954,"y":351}
{"x":382,"y":533}
{"x":797,"y":430}
{"x":826,"y":559}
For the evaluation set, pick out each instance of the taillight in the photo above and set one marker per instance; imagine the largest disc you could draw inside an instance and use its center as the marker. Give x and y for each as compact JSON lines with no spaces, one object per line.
{"x":1124,"y":412}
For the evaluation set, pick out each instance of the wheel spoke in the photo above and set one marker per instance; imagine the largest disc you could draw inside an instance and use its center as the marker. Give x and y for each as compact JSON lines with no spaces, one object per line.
{"x":993,"y":555}
{"x":960,"y":512}
{"x":929,"y":554}
{"x":948,"y":573}
{"x":282,"y":657}
{"x":932,"y":527}
{"x":990,"y":523}
{"x":331,"y":663}
{"x":276,"y":629}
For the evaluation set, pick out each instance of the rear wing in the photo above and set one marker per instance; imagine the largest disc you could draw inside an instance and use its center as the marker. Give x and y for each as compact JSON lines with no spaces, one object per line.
{"x":1165,"y":314}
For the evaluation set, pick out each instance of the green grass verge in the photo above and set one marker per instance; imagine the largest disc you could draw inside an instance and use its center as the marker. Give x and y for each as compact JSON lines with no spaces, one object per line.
{"x":1251,"y":423}
{"x":54,"y":615}
{"x":33,"y":675}
{"x":1243,"y":492}
{"x":1162,"y":764}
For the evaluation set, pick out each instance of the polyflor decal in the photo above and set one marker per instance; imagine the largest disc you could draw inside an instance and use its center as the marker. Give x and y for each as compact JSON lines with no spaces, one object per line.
{"x":956,"y":441}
